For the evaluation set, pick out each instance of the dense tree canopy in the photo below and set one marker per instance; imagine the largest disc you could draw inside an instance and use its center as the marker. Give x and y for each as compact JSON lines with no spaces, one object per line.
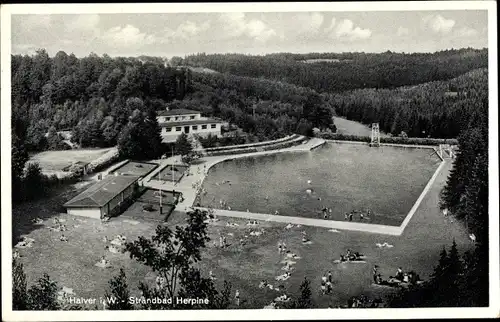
{"x":348,"y":71}
{"x":462,"y":280}
{"x":438,"y":109}
{"x":140,"y":139}
{"x":89,"y":94}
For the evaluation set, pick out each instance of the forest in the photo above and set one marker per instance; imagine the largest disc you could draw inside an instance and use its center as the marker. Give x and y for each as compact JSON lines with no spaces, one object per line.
{"x":95,"y":96}
{"x":353,"y":71}
{"x":439,"y":109}
{"x":90,"y":95}
{"x":461,"y":280}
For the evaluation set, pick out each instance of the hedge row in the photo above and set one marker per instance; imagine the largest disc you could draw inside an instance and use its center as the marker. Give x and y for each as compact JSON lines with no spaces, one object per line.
{"x":103,"y":161}
{"x":393,"y":140}
{"x":281,"y":145}
{"x":251,"y":145}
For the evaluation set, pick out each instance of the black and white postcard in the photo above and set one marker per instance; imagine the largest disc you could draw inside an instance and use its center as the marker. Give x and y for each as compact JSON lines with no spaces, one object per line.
{"x":249,"y":161}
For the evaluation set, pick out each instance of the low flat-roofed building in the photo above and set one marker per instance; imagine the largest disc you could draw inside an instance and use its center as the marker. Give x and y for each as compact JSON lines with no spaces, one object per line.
{"x":175,"y":122}
{"x":104,"y":198}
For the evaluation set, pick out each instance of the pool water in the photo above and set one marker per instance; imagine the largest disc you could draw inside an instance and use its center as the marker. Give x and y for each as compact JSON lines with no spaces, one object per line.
{"x":343,"y":177}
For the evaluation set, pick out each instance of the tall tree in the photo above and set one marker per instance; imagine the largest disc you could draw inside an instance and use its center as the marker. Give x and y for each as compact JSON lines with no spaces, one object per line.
{"x":183,"y":145}
{"x":172,"y":255}
{"x":118,"y":297}
{"x":43,"y":295}
{"x":19,"y":290}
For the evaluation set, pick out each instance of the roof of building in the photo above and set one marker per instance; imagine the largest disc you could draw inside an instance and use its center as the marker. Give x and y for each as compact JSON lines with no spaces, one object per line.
{"x":102,"y":192}
{"x":179,"y":111}
{"x":189,"y":122}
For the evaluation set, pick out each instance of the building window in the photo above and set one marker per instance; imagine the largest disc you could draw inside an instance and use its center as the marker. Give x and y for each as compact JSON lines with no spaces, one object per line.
{"x":168,"y":129}
{"x":176,"y":118}
{"x":192,"y":117}
{"x":204,"y":127}
{"x":212,"y":126}
{"x":168,"y":119}
{"x":178,"y":129}
{"x":195,"y":127}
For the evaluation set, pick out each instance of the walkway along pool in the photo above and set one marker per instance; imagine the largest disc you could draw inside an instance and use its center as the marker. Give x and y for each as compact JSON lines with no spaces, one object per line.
{"x":342,"y":177}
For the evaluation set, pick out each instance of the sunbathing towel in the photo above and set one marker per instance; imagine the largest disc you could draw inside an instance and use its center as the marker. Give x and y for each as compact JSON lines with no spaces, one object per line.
{"x":67,"y":290}
{"x":24,"y":245}
{"x":334,"y":231}
{"x":292,"y":255}
{"x":288,"y":261}
{"x":379,"y":245}
{"x":307,"y":242}
{"x":283,"y":277}
{"x":283,"y":298}
{"x":117,"y":242}
{"x":114,"y":250}
{"x":289,"y":226}
{"x":102,"y":265}
{"x":132,"y":222}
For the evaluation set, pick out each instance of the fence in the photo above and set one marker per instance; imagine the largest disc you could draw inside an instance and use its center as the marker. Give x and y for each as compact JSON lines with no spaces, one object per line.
{"x":394,"y":140}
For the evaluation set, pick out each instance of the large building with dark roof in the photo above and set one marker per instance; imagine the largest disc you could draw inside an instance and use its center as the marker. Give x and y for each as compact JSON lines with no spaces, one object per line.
{"x":177,"y":121}
{"x":104,"y":198}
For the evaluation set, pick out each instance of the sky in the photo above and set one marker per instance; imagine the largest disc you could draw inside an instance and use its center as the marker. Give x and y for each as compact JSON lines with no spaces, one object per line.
{"x":178,"y":34}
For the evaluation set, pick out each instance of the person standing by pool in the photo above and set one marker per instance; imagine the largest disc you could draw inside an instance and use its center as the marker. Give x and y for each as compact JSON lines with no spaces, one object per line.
{"x":399,"y":274}
{"x":350,"y":216}
{"x":237,"y":297}
{"x":375,"y":272}
{"x":329,"y":287}
{"x":330,"y":279}
{"x":323,"y":284}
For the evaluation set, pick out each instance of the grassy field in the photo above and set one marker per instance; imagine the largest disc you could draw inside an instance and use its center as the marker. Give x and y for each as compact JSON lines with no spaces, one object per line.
{"x":71,"y":263}
{"x":345,"y":126}
{"x":57,"y":160}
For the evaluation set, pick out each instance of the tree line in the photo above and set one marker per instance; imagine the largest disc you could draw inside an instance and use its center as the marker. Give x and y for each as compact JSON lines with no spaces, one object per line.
{"x":352,"y":71}
{"x":440,"y":109}
{"x":90,"y":95}
{"x":264,"y":108}
{"x":461,"y":280}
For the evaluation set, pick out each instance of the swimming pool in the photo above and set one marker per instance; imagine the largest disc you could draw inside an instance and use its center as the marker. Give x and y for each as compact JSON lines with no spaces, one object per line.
{"x":343,"y":177}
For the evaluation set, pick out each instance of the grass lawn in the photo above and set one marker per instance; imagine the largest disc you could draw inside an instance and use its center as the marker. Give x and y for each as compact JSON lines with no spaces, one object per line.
{"x":71,"y":263}
{"x":57,"y":160}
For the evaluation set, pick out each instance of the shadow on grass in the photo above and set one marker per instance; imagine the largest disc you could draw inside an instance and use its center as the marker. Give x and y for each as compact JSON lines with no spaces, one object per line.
{"x":44,"y":208}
